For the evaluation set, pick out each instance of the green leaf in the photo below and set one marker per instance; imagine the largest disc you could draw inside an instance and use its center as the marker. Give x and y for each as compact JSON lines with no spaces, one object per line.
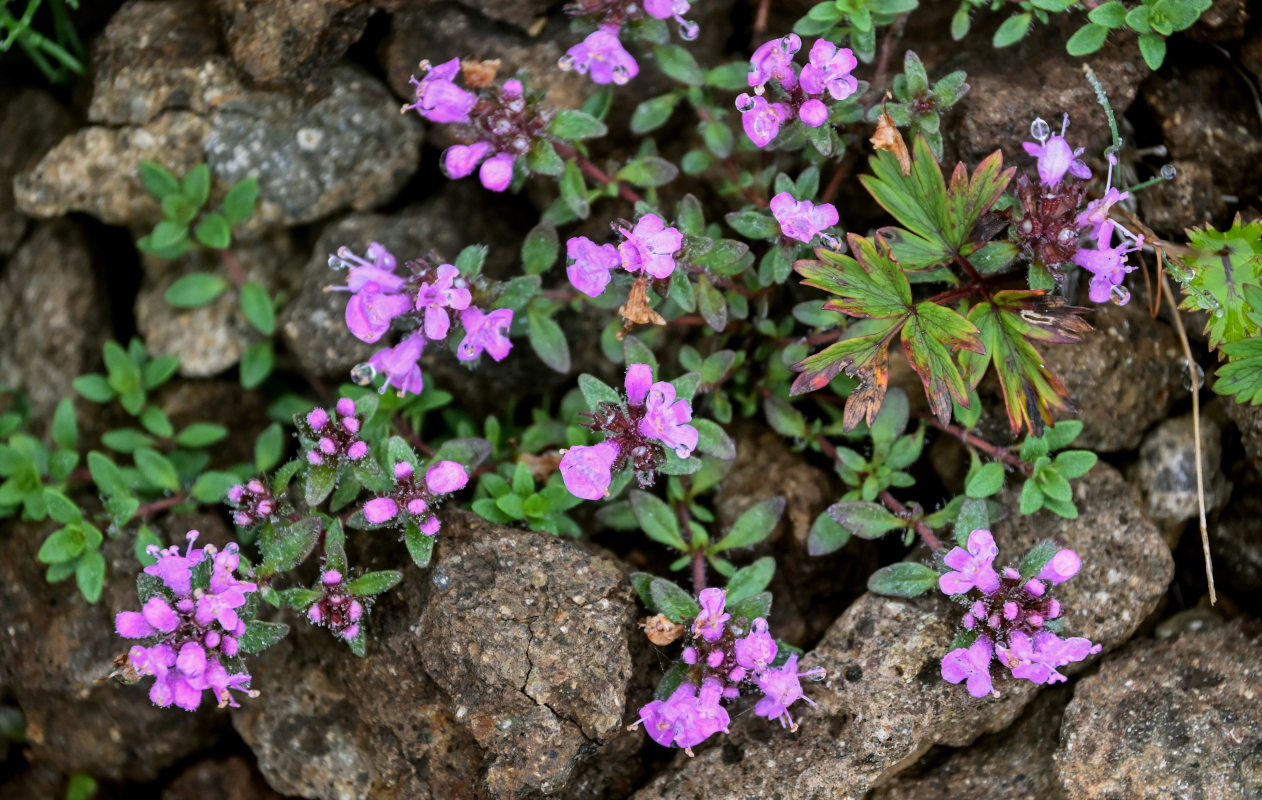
{"x":65,"y":428}
{"x":865,"y":520}
{"x":753,"y":224}
{"x":657,"y":520}
{"x":574,"y":190}
{"x":269,"y":448}
{"x":1031,"y":498}
{"x":64,"y":545}
{"x":260,"y":635}
{"x":371,"y":583}
{"x":157,"y":469}
{"x":286,"y":546}
{"x":718,"y":137}
{"x":1037,"y":558}
{"x":201,"y":434}
{"x":543,"y":158}
{"x":196,"y":185}
{"x":1111,"y":15}
{"x":158,"y":179}
{"x":733,"y":77}
{"x":94,"y":387}
{"x":126,"y":440}
{"x":1075,"y":463}
{"x":547,"y":339}
{"x":1062,"y":434}
{"x":258,"y":308}
{"x":256,"y":364}
{"x":904,"y":579}
{"x":826,"y":536}
{"x":675,"y":603}
{"x":960,"y":22}
{"x":890,"y":421}
{"x":179,"y":209}
{"x":648,"y":171}
{"x":595,"y":391}
{"x":159,"y":370}
{"x":213,"y":231}
{"x":783,"y":418}
{"x":1053,"y":485}
{"x":985,"y":481}
{"x":123,"y":374}
{"x":1086,"y":40}
{"x":540,"y":248}
{"x":420,"y":547}
{"x":974,"y":515}
{"x":1153,"y":48}
{"x":212,"y":486}
{"x":572,"y":125}
{"x":108,"y":477}
{"x":318,"y":484}
{"x":753,"y":526}
{"x":679,"y":64}
{"x":751,"y":608}
{"x":713,"y":440}
{"x":750,"y":580}
{"x":195,"y":289}
{"x":711,"y":304}
{"x":89,"y":574}
{"x":240,"y":201}
{"x":653,"y":113}
{"x":157,"y":422}
{"x":1013,"y":30}
{"x":146,"y":538}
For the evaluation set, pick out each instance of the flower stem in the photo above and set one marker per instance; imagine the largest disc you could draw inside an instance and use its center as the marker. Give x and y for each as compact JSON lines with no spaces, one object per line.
{"x":921,"y":528}
{"x":593,"y":171}
{"x":974,"y":441}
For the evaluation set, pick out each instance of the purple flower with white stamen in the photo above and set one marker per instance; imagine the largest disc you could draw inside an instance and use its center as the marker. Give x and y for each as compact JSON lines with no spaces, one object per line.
{"x":802,"y":220}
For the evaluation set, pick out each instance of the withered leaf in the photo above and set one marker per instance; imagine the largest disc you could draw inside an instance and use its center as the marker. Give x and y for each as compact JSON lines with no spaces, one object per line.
{"x":888,"y":138}
{"x":636,"y":310}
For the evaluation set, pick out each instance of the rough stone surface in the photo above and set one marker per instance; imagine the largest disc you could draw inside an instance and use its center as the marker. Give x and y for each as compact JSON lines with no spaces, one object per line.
{"x":510,"y":653}
{"x":290,"y":43}
{"x":1193,"y":198}
{"x":524,"y":15}
{"x":210,"y":338}
{"x":230,"y":778}
{"x":55,"y":648}
{"x":1235,"y":540}
{"x":1122,"y":377}
{"x":530,"y":641}
{"x":1014,"y":764}
{"x":53,"y":317}
{"x":1166,"y":471}
{"x":31,"y":122}
{"x":1248,"y":421}
{"x":1222,"y":22}
{"x":884,"y":703}
{"x":1175,"y":719}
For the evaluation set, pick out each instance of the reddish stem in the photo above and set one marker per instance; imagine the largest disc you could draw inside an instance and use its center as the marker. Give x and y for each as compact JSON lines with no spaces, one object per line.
{"x":974,"y":441}
{"x":596,"y":172}
{"x":921,"y":528}
{"x":149,"y":509}
{"x":234,"y":267}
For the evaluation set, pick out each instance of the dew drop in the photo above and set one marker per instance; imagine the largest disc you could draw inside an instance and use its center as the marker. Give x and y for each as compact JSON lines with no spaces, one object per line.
{"x":1218,"y":312}
{"x":363,"y":374}
{"x":1039,"y":129}
{"x":1187,"y":378}
{"x":337,"y":263}
{"x":689,"y":30}
{"x":789,"y":46}
{"x":744,"y":103}
{"x":565,"y":63}
{"x":440,"y":578}
{"x":830,"y":241}
{"x":1120,"y":295}
{"x":621,"y":75}
{"x":1168,"y":172}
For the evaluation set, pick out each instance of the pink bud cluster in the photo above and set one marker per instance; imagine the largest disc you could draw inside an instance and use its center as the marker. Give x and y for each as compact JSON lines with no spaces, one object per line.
{"x":252,"y":503}
{"x":824,"y":81}
{"x":336,"y":440}
{"x":724,"y":656}
{"x":601,"y":55}
{"x":336,"y":609}
{"x":415,"y":501}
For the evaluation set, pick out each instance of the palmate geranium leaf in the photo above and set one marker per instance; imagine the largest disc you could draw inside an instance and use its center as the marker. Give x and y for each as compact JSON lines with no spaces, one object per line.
{"x":1242,"y":376}
{"x":1007,"y":326}
{"x":930,"y":335}
{"x":939,"y":217}
{"x":1220,"y":267}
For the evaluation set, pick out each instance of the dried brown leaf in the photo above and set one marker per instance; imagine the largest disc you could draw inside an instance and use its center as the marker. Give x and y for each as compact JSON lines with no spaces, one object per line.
{"x":888,"y":138}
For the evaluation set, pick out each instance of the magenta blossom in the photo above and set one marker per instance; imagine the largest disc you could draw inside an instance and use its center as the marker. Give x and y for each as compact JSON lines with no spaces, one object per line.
{"x":813,"y":113}
{"x":485,"y":332}
{"x":781,"y":688}
{"x":757,"y":650}
{"x":446,"y":477}
{"x":709,"y":623}
{"x":587,"y":470}
{"x":447,"y":291}
{"x":761,"y":119}
{"x":665,"y":419}
{"x":829,"y":70}
{"x":802,"y":220}
{"x":460,"y":160}
{"x":438,"y":99}
{"x":1096,"y":214}
{"x":375,"y":273}
{"x":650,"y":246}
{"x":1107,"y":265}
{"x":773,"y":61}
{"x":369,"y":314}
{"x":602,"y":56}
{"x":638,"y":382}
{"x":497,"y":172}
{"x":970,"y":664}
{"x":1061,"y":567}
{"x":590,"y":264}
{"x":400,"y":364}
{"x":972,"y":568}
{"x":1056,"y":158}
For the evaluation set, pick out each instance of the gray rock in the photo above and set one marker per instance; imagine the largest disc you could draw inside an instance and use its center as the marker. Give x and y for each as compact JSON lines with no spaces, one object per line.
{"x":884,"y":703}
{"x":1014,"y":764}
{"x":1248,"y":419}
{"x":53,"y":317}
{"x":531,"y":643}
{"x":1166,"y":472}
{"x":525,"y":15}
{"x":1122,"y":377}
{"x":210,"y":338}
{"x":490,"y":674}
{"x":1175,"y":719}
{"x":1235,"y":541}
{"x":31,"y":122}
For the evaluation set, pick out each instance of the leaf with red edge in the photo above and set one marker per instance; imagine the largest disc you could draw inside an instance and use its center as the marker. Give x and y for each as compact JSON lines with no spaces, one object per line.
{"x":930,"y":337}
{"x":864,"y":355}
{"x":869,"y":285}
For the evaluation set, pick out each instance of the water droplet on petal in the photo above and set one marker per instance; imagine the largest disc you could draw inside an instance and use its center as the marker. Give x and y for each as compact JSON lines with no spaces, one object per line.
{"x":621,"y":75}
{"x":830,"y":241}
{"x":363,"y":374}
{"x":565,"y":63}
{"x":1040,"y":130}
{"x":1120,"y":295}
{"x":1168,"y":172}
{"x":744,"y":103}
{"x":1187,"y":379}
{"x":788,"y":45}
{"x":689,"y":30}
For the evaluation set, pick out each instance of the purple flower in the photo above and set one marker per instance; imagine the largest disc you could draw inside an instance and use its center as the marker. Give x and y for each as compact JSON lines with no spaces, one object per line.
{"x":813,"y":113}
{"x":380,"y":509}
{"x":156,"y":617}
{"x":709,"y":623}
{"x":590,"y":264}
{"x":368,"y":314}
{"x":802,"y":220}
{"x":972,"y":664}
{"x":446,"y":477}
{"x":638,"y":382}
{"x":972,"y":568}
{"x":688,"y":718}
{"x":666,"y":418}
{"x":650,"y":246}
{"x":761,"y":119}
{"x":1061,"y":567}
{"x":1107,"y":264}
{"x":758,"y":649}
{"x":375,"y":273}
{"x":447,"y":291}
{"x":399,"y":364}
{"x":665,"y":9}
{"x":1056,"y":158}
{"x":176,"y":570}
{"x":586,"y":470}
{"x":497,"y":172}
{"x":830,"y":70}
{"x":485,"y":332}
{"x":461,"y":159}
{"x":1097,"y":211}
{"x":774,"y":61}
{"x":602,"y":56}
{"x":438,"y":99}
{"x":1028,"y":660}
{"x":781,"y":688}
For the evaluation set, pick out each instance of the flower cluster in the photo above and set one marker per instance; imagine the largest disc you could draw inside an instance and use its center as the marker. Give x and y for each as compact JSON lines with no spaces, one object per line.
{"x":414,"y":501}
{"x":802,"y":220}
{"x":724,"y":655}
{"x":428,"y":299}
{"x":336,"y":608}
{"x":635,"y":434}
{"x":1011,"y":616}
{"x":1052,"y":220}
{"x":499,"y":124}
{"x":193,"y":625}
{"x":252,"y":502}
{"x":649,"y":248}
{"x":334,"y":441}
{"x":601,"y":55}
{"x":825,"y":80}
